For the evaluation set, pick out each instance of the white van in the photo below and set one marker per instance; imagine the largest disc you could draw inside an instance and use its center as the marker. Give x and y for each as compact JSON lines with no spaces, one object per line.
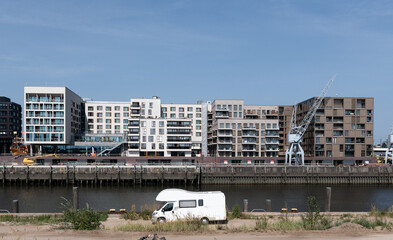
{"x":181,"y":204}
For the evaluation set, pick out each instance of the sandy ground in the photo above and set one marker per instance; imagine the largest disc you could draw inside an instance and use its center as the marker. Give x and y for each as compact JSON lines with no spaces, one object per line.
{"x":345,"y":231}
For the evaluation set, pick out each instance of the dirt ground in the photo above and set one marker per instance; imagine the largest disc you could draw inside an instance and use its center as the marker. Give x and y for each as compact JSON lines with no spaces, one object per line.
{"x":345,"y":231}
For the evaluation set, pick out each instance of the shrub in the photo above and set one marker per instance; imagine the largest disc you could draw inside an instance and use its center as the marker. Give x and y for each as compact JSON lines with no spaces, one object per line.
{"x":313,"y":220}
{"x":132,"y":214}
{"x":85,"y":219}
{"x":236,"y":213}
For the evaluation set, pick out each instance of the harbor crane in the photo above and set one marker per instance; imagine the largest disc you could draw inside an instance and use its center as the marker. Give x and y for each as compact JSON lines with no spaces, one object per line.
{"x":295,"y":152}
{"x":389,"y":150}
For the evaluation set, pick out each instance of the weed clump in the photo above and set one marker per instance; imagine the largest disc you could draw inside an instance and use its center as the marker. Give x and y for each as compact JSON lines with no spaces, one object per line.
{"x":84,"y":219}
{"x":236,"y":213}
{"x":313,"y":220}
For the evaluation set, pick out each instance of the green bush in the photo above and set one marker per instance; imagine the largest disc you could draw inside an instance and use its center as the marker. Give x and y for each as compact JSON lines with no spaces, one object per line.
{"x":236,"y":213}
{"x":84,"y":219}
{"x":313,"y":220}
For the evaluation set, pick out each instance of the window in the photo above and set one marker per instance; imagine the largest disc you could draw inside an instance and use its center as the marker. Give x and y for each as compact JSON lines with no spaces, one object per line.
{"x":235,"y":114}
{"x":117,"y":127}
{"x":173,"y":115}
{"x":187,"y":203}
{"x":198,"y":134}
{"x":99,"y":114}
{"x":198,"y":115}
{"x":153,"y":123}
{"x":108,"y":121}
{"x":161,"y":123}
{"x":173,"y":108}
{"x":181,"y":115}
{"x":151,"y":105}
{"x":107,"y":108}
{"x":161,"y":131}
{"x":151,"y":138}
{"x":125,"y":121}
{"x":149,"y":112}
{"x":198,"y":122}
{"x":168,"y":207}
{"x":143,"y":123}
{"x":143,"y":145}
{"x":125,"y":114}
{"x":99,"y":120}
{"x":117,"y":120}
{"x":189,"y":109}
{"x":117,"y":114}
{"x":161,"y":146}
{"x":234,"y":107}
{"x":108,"y":126}
{"x":117,"y":108}
{"x":200,"y":202}
{"x":189,"y":115}
{"x":108,"y":114}
{"x":99,"y":108}
{"x":198,"y":109}
{"x":152,"y":131}
{"x":240,"y":114}
{"x":181,"y":109}
{"x":164,"y":109}
{"x":90,"y":114}
{"x":126,"y":109}
{"x":90,"y":108}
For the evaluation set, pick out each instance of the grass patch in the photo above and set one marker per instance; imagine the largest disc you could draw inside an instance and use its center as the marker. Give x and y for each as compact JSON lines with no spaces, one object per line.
{"x":178,"y":226}
{"x":37,"y":220}
{"x":379,"y":213}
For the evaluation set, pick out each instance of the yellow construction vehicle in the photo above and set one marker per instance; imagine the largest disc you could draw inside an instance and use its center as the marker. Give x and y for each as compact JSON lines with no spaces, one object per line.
{"x":18,"y":148}
{"x":32,"y":160}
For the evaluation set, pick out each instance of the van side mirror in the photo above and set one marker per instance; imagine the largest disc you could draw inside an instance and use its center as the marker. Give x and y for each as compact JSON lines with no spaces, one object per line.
{"x":162,"y":210}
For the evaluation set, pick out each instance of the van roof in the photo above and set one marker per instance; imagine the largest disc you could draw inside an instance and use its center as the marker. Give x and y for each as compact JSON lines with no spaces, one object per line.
{"x":174,"y":194}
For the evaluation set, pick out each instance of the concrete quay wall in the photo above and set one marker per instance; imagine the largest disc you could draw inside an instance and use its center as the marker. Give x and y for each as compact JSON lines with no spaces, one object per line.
{"x":196,"y":175}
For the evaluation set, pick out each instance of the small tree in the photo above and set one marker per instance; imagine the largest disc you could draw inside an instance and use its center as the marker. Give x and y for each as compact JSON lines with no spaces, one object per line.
{"x":313,"y":219}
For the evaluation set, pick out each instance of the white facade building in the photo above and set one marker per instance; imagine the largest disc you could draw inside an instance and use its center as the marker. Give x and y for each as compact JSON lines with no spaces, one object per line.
{"x":52,"y":115}
{"x":107,"y":117}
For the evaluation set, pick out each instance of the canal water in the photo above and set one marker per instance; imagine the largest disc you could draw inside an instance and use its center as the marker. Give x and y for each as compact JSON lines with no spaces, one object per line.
{"x":43,"y":199}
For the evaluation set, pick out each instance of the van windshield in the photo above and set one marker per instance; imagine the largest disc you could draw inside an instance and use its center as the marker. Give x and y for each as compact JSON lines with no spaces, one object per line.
{"x":168,"y":207}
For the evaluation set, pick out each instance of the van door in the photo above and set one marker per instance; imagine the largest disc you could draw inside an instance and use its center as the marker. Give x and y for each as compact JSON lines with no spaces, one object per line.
{"x":168,"y":212}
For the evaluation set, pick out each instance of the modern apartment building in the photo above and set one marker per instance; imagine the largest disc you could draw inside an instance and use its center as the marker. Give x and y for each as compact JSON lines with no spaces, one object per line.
{"x":157,"y":129}
{"x":238,"y":130}
{"x":106,"y":117}
{"x":52,"y":115}
{"x":342,"y":127}
{"x":10,"y":123}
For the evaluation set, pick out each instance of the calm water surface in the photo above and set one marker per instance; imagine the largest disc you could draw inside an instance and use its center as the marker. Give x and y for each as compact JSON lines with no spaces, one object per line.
{"x":344,"y":197}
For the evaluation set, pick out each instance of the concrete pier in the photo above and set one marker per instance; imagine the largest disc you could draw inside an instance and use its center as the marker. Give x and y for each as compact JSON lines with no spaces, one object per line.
{"x":195,"y":175}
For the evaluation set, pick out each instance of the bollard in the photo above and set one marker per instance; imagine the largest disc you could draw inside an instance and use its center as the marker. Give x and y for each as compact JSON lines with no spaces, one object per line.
{"x":328,"y":198}
{"x":75,"y":197}
{"x":245,"y":205}
{"x":15,"y":206}
{"x":268,"y":205}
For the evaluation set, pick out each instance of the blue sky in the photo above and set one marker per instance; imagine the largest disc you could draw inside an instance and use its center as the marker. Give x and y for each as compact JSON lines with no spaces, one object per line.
{"x":265,"y":52}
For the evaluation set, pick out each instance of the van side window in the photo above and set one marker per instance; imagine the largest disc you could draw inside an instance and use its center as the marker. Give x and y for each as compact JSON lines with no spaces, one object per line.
{"x":200,"y":202}
{"x":187,"y":203}
{"x":168,"y":207}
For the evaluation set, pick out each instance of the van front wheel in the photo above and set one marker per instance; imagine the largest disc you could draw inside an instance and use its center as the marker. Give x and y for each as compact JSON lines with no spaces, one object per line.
{"x":161,"y":220}
{"x":205,"y":221}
